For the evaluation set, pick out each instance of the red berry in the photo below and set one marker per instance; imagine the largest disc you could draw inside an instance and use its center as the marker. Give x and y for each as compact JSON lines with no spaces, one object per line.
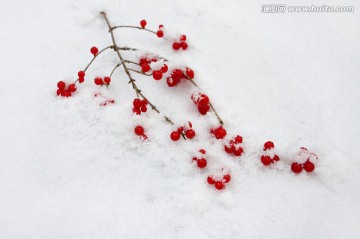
{"x":276,"y":158}
{"x":160,"y":33}
{"x":143,"y":61}
{"x":184,"y":45}
{"x":176,"y":46}
{"x":175,"y":136}
{"x":107,"y":80}
{"x":157,"y":75}
{"x":145,"y":102}
{"x":296,"y":168}
{"x":309,"y":166}
{"x":238,"y":152}
{"x":72,"y":88}
{"x":204,"y":100}
{"x":58,"y":92}
{"x":201,"y":163}
{"x":143,"y":23}
{"x":183,"y":38}
{"x":266,"y":160}
{"x":190,"y":73}
{"x":203,"y":109}
{"x":81,"y":74}
{"x":67,"y":93}
{"x":202,"y":151}
{"x":219,"y":185}
{"x":219,"y":132}
{"x":164,"y":69}
{"x":81,"y":80}
{"x":229,"y":149}
{"x":143,"y":109}
{"x":227,"y":178}
{"x":177,"y":74}
{"x":98,"y":81}
{"x":137,"y":111}
{"x":190,"y":133}
{"x":61,"y":85}
{"x":139,"y":130}
{"x":94,"y":50}
{"x":180,"y":130}
{"x":210,"y":180}
{"x":238,"y":139}
{"x":137,"y":103}
{"x":145,"y":67}
{"x":171,"y":82}
{"x":268,"y":145}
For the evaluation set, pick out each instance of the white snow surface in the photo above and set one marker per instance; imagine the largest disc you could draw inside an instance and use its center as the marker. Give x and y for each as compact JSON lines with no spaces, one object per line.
{"x":72,"y":169}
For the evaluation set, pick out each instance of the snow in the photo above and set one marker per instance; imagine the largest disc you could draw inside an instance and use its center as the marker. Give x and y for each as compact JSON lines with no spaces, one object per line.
{"x":72,"y":169}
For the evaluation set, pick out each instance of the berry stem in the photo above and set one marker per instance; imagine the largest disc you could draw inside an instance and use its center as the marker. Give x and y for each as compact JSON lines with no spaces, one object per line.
{"x":142,"y":73}
{"x":131,"y":80}
{"x":211,"y":106}
{"x":113,"y":70}
{"x":136,"y":27}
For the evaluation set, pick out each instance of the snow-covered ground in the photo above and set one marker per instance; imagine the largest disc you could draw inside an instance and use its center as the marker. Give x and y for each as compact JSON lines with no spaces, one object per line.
{"x":71,"y":169}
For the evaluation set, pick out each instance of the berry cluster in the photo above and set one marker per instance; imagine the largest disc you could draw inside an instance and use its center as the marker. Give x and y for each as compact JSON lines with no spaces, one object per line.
{"x":202,"y":101}
{"x":140,"y":106}
{"x":178,"y":74}
{"x":219,"y":132}
{"x":304,"y":160}
{"x":200,"y":158}
{"x":81,"y":75}
{"x":100,"y":81}
{"x":180,"y":43}
{"x":140,"y":131}
{"x":183,"y":130}
{"x":145,"y":64}
{"x":269,"y":155}
{"x":235,"y":146}
{"x":219,"y":180}
{"x":63,"y":91}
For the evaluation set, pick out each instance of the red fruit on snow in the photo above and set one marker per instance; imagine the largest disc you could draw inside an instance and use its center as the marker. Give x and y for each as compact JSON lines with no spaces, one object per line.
{"x":145,"y":67}
{"x":157,"y":75}
{"x":227,"y":178}
{"x":210,"y":180}
{"x":145,"y":102}
{"x":176,"y":46}
{"x":190,"y":133}
{"x":229,"y":149}
{"x":183,"y":38}
{"x":238,"y":152}
{"x":238,"y":139}
{"x":203,"y":100}
{"x":309,"y":166}
{"x":203,"y":109}
{"x":61,"y":85}
{"x":266,"y":160}
{"x":190,"y":73}
{"x":143,"y":109}
{"x":58,"y":92}
{"x":160,"y":33}
{"x":201,"y":163}
{"x":219,"y":132}
{"x":72,"y":88}
{"x":177,"y":74}
{"x":219,"y":185}
{"x":81,"y":80}
{"x":171,"y":82}
{"x":98,"y":81}
{"x":139,"y":130}
{"x":175,"y":136}
{"x":81,"y":74}
{"x":268,"y":145}
{"x":164,"y":69}
{"x":276,"y":158}
{"x":184,"y":45}
{"x":107,"y":80}
{"x":202,"y":151}
{"x":94,"y":50}
{"x":143,"y":23}
{"x":137,"y":103}
{"x":296,"y":168}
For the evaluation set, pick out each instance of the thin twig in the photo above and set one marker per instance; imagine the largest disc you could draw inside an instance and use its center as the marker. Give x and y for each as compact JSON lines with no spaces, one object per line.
{"x":131,"y":80}
{"x":132,"y":62}
{"x":140,"y":72}
{"x":135,"y":27}
{"x":112,"y":72}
